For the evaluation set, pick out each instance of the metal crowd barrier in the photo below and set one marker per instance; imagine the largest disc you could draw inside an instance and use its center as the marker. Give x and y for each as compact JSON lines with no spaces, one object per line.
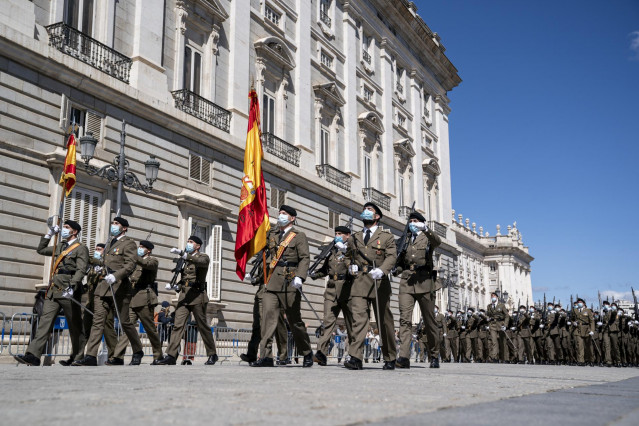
{"x":23,"y":328}
{"x":4,"y":320}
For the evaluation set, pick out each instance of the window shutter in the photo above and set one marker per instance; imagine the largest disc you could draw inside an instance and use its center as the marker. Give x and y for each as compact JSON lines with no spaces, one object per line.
{"x":215,"y":290}
{"x":282,"y":198}
{"x":195,"y":167}
{"x":93,"y":124}
{"x":83,"y":206}
{"x":274,"y":197}
{"x":206,"y":171}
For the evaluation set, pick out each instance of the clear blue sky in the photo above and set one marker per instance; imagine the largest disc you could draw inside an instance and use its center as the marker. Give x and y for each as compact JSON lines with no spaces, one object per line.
{"x":544,"y":131}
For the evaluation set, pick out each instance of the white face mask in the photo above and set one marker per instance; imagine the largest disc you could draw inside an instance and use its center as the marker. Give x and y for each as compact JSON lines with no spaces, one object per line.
{"x":282,"y":220}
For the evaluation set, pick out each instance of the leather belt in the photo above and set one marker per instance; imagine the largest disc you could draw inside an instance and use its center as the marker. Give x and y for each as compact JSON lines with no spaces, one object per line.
{"x":287,"y":264}
{"x":413,"y":267}
{"x":337,"y":277}
{"x":195,"y":284}
{"x":64,"y":272}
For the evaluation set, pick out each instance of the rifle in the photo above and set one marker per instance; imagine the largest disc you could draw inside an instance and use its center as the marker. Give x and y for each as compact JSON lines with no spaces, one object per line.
{"x":570,"y":310}
{"x":402,"y":243}
{"x":634,"y":296}
{"x":326,"y":251}
{"x":180,"y":263}
{"x":544,"y":315}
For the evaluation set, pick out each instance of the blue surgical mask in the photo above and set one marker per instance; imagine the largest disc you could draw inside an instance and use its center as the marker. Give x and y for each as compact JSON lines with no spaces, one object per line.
{"x":339,"y":239}
{"x":190,"y":248}
{"x":550,"y":308}
{"x":606,"y":307}
{"x":436,"y":310}
{"x":115,"y":230}
{"x":141,"y":252}
{"x":523,"y":311}
{"x":64,"y":233}
{"x":413,"y":228}
{"x":614,"y":308}
{"x":494,"y":299}
{"x":282,"y":220}
{"x":97,"y":255}
{"x":581,"y":305}
{"x":367,"y":215}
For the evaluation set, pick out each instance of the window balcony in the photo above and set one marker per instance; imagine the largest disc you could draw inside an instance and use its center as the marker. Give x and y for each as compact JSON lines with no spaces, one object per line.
{"x":438,"y":228}
{"x":203,"y":109}
{"x":281,"y":149}
{"x":334,"y":176}
{"x":325,"y":19}
{"x":366,"y":56}
{"x":375,"y":196}
{"x":404,"y":211}
{"x":72,"y":42}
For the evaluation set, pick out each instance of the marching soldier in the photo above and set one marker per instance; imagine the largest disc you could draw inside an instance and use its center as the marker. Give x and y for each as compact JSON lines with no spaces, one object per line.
{"x":96,"y":271}
{"x":611,"y":335}
{"x":452,"y":338}
{"x":525,"y":334}
{"x":144,"y":299}
{"x":472,"y":326}
{"x":281,"y":334}
{"x":553,"y":343}
{"x":537,"y":332}
{"x":289,"y":259}
{"x":373,"y":253}
{"x":465,"y":345}
{"x":192,"y":300}
{"x":512,"y":342}
{"x":337,"y":293}
{"x":418,"y":286}
{"x":483,"y":335}
{"x":499,"y":318}
{"x":119,"y":263}
{"x":69,"y":268}
{"x":584,"y":333}
{"x":442,"y":332}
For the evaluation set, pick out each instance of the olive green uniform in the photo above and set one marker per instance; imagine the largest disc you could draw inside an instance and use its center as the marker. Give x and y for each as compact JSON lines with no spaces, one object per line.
{"x":69,"y":273}
{"x":585,"y":323}
{"x":499,"y":318}
{"x":611,"y":337}
{"x":281,"y":334}
{"x":380,"y":249}
{"x":418,"y":286}
{"x":143,"y":302}
{"x":119,"y":260}
{"x":442,"y":328}
{"x":192,"y":300}
{"x":525,"y":333}
{"x":452,"y":338}
{"x":280,"y":295}
{"x":336,"y":296}
{"x":95,"y":274}
{"x":553,"y":339}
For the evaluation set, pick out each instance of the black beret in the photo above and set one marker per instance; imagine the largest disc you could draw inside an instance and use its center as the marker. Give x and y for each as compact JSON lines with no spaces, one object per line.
{"x":195,"y":239}
{"x":581,"y":300}
{"x":522,"y":306}
{"x":288,"y":209}
{"x":342,"y":229}
{"x":73,"y":224}
{"x":165,"y":304}
{"x":493,"y":293}
{"x":147,"y":244}
{"x":101,"y":245}
{"x":122,"y":221}
{"x":418,"y":216}
{"x":377,"y":209}
{"x":471,"y":309}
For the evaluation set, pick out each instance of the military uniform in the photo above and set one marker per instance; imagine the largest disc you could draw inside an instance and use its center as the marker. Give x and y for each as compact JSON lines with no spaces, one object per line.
{"x":192,"y":300}
{"x":499,"y":318}
{"x":525,"y":333}
{"x":417,"y":285}
{"x":465,"y":344}
{"x":95,"y":274}
{"x":442,"y":333}
{"x":336,"y":296}
{"x":473,"y":326}
{"x":280,"y":295}
{"x":380,"y":248}
{"x":553,"y":340}
{"x":144,"y":299}
{"x":452,"y":339}
{"x":611,"y":337}
{"x":69,"y":273}
{"x":585,"y":324}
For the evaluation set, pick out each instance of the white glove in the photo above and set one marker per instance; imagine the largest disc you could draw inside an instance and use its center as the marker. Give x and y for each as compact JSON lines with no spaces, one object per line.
{"x":569,"y":323}
{"x":247,"y":277}
{"x":97,"y":268}
{"x":176,"y":250}
{"x":110,"y":279}
{"x":513,"y":328}
{"x":503,"y":328}
{"x":341,"y":246}
{"x":444,"y":334}
{"x":591,"y":333}
{"x":68,"y":293}
{"x":353,"y":269}
{"x":463,"y":327}
{"x":297,"y":283}
{"x":376,"y":273}
{"x":52,"y":231}
{"x":168,"y":287}
{"x":185,"y":255}
{"x":600,"y":323}
{"x":541,"y":326}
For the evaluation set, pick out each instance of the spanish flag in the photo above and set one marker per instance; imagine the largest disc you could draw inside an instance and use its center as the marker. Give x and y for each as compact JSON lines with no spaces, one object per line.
{"x":253,"y":222}
{"x":67,"y":180}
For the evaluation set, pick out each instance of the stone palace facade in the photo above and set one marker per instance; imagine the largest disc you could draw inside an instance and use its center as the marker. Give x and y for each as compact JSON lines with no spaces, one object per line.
{"x":354,"y":108}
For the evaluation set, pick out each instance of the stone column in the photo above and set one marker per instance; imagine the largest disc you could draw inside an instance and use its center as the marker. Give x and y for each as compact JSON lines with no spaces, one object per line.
{"x":351,"y":138}
{"x":302,"y":76}
{"x":441,"y":121}
{"x":415,"y":106}
{"x":386,"y":74}
{"x":240,"y":68}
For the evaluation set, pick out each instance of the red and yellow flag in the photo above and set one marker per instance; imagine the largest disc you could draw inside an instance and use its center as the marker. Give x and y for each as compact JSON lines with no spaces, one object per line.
{"x":253,"y":222}
{"x":67,"y":180}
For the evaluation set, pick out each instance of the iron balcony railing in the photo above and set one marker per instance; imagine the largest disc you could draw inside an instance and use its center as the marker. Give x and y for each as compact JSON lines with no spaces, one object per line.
{"x":205,"y":110}
{"x":325,"y":19}
{"x":334,"y":176}
{"x":438,"y":228}
{"x":404,"y":211}
{"x":72,"y":42}
{"x":366,"y":56}
{"x":281,"y":149}
{"x":375,"y":196}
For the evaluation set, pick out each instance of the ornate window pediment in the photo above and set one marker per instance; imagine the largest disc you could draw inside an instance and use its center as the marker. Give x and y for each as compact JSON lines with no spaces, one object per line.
{"x":431,"y":167}
{"x":329,"y":91}
{"x":371,"y":121}
{"x":214,"y":8}
{"x":404,"y":148}
{"x":275,"y":49}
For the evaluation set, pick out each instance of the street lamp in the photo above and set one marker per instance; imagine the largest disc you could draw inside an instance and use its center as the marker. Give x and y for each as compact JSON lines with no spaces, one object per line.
{"x":119,"y":170}
{"x":448,"y":281}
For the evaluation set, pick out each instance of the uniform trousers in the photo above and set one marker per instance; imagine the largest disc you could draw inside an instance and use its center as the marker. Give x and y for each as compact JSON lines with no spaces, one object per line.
{"x":50,"y":310}
{"x":332,"y":309}
{"x":431,"y":331}
{"x":281,"y":335}
{"x":289,"y":301}
{"x":145,"y":315}
{"x":103,"y":306}
{"x":182,"y":314}
{"x":360,"y":307}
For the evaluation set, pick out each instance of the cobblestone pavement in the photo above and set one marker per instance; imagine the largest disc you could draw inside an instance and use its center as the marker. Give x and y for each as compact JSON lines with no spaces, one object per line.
{"x":234,"y":393}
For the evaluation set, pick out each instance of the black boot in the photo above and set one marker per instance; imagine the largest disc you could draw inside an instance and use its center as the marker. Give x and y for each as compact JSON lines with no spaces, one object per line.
{"x":87,"y":361}
{"x":248,"y":358}
{"x":389,"y":365}
{"x":136,"y":359}
{"x":283,"y":362}
{"x":27,"y":359}
{"x":263,"y":362}
{"x":167,"y":360}
{"x":402,"y":362}
{"x":114,"y":361}
{"x":308,"y":360}
{"x":320,"y":358}
{"x":434,"y":363}
{"x":66,"y":362}
{"x":353,"y":364}
{"x":212,"y":360}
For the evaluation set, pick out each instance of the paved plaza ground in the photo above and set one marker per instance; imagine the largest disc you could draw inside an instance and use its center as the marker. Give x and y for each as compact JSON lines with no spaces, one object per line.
{"x":232,"y":393}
